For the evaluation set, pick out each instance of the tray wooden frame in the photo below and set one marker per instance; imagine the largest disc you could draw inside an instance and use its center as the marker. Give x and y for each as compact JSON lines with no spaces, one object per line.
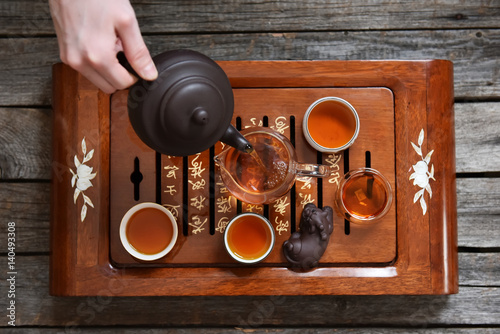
{"x":427,"y":255}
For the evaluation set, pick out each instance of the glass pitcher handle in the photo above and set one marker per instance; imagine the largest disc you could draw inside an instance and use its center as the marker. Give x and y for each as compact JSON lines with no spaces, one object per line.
{"x":302,"y":169}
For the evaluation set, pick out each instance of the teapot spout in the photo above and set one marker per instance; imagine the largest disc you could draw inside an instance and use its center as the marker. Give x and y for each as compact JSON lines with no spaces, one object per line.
{"x":234,"y":138}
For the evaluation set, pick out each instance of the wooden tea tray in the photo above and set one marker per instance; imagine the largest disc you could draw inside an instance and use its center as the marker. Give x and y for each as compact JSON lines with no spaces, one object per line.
{"x":406,"y":114}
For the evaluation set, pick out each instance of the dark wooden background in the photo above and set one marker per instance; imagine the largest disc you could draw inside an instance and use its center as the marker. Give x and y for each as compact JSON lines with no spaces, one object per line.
{"x":465,"y":32}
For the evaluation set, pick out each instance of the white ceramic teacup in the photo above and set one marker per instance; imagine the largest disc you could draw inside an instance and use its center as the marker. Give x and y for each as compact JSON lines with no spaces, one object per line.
{"x":150,"y":226}
{"x":331,"y":124}
{"x":249,"y":238}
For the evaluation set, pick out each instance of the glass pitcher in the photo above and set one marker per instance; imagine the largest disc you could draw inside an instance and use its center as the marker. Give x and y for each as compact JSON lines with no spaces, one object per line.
{"x":268,"y":172}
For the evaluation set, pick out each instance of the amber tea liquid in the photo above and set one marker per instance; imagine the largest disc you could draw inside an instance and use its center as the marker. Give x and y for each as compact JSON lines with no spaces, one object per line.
{"x":364,"y":196}
{"x":249,"y":238}
{"x":331,"y":124}
{"x":264,"y":169}
{"x":149,"y":231}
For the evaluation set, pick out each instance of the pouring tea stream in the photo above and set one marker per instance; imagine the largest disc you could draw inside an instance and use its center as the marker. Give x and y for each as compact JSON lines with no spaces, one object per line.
{"x":249,"y":182}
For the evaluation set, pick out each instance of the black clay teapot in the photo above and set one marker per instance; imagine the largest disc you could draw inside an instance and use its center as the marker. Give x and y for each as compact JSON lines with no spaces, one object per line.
{"x":187,"y":109}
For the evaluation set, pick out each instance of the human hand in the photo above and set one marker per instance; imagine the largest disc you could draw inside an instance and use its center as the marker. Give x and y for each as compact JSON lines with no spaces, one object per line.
{"x":90,"y":34}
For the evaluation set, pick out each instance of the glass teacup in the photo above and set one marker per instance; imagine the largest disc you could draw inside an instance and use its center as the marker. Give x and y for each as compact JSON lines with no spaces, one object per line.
{"x":364,"y":196}
{"x":268,"y":172}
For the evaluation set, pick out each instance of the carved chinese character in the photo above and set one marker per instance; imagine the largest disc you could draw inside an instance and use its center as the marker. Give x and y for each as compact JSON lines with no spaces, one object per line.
{"x":254,"y":122}
{"x":198,"y":202}
{"x":197,"y":223}
{"x":174,"y":209}
{"x":224,"y":205}
{"x":196,"y":168}
{"x":333,"y":161}
{"x":170,"y":190}
{"x":197,"y":185}
{"x":281,"y":226}
{"x":307,"y":182}
{"x":280,"y":124}
{"x":171,"y":171}
{"x":221,"y":225}
{"x":254,"y":208}
{"x":280,"y":205}
{"x":222,"y":187}
{"x":306,"y":199}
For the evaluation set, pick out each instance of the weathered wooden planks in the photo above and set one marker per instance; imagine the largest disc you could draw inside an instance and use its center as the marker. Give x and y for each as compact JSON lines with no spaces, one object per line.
{"x":271,"y":330}
{"x":478,"y":209}
{"x":26,"y":61}
{"x":479,"y":269}
{"x":472,"y":306}
{"x":477,"y":137}
{"x":28,"y":17}
{"x":28,"y":205}
{"x":25,"y":142}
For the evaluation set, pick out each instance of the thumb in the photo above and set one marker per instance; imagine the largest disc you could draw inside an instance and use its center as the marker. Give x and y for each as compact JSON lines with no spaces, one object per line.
{"x":135,"y":50}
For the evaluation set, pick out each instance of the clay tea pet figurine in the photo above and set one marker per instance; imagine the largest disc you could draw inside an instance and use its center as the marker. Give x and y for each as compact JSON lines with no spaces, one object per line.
{"x":305,"y":247}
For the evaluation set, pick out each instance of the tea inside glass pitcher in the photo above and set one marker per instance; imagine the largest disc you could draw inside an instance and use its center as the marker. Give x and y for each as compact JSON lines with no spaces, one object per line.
{"x":268,"y":172}
{"x":264,"y":169}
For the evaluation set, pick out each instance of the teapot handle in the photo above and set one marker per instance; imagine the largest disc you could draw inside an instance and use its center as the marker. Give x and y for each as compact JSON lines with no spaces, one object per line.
{"x":124,"y":62}
{"x":302,"y":169}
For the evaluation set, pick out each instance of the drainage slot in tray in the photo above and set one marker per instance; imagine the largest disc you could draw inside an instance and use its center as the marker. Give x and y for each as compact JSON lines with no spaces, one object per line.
{"x":136,"y":178}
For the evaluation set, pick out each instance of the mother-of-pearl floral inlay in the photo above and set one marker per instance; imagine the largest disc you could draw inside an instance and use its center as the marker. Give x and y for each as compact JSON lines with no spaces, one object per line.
{"x":421,"y":175}
{"x":81,"y":179}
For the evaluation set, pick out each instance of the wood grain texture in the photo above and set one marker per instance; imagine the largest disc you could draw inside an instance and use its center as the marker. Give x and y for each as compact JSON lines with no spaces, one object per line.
{"x":28,"y":17}
{"x":28,"y":205}
{"x":477,"y":137}
{"x":478,"y":210}
{"x":479,"y":269}
{"x":376,"y":244}
{"x":27,"y":61}
{"x":418,"y":104}
{"x":269,"y":330}
{"x":25,"y":143}
{"x":25,"y":151}
{"x":469,"y":42}
{"x":472,"y":306}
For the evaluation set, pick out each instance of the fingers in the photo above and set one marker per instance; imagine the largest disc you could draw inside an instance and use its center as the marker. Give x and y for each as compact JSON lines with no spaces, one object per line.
{"x":135,"y":49}
{"x":101,"y":68}
{"x":89,"y":31}
{"x":100,"y":80}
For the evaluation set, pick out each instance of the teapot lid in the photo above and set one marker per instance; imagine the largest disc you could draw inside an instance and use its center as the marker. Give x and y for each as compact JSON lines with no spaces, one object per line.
{"x":187,"y":109}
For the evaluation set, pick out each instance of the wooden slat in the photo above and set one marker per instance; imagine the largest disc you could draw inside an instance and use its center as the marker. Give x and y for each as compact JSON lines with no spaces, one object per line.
{"x":248,"y":120}
{"x":472,"y":306}
{"x":478,"y":210}
{"x":476,"y":133}
{"x":25,"y":143}
{"x":28,"y":205}
{"x":28,"y":17}
{"x":479,"y":269}
{"x":29,"y":70}
{"x":129,"y":155}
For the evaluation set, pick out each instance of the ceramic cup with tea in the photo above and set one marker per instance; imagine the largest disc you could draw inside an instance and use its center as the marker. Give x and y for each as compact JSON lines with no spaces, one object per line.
{"x":148,"y":231}
{"x":249,"y":238}
{"x":364,"y":196}
{"x":331,"y":124}
{"x":268,"y":172}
